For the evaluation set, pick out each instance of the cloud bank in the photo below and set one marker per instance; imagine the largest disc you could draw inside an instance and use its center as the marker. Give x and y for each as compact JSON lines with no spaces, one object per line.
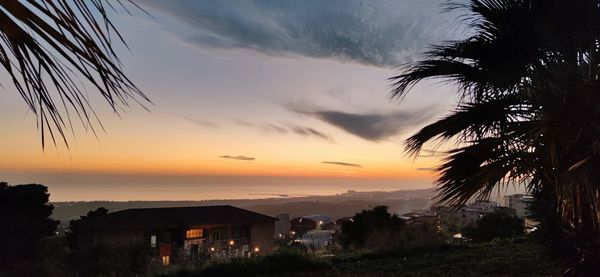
{"x":383,"y":33}
{"x":372,"y":126}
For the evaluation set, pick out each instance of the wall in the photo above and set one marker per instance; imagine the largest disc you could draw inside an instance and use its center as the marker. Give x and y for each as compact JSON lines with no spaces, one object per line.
{"x":263,"y":236}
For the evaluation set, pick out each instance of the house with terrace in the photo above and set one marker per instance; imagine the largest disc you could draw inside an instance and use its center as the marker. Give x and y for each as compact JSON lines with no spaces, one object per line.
{"x":183,"y":233}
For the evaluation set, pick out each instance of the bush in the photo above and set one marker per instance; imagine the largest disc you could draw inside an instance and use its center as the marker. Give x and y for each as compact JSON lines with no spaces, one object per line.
{"x":373,"y":229}
{"x":279,"y":262}
{"x":110,"y":260}
{"x":494,"y":225}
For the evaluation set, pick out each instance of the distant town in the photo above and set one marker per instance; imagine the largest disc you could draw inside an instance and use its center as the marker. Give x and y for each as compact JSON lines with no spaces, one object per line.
{"x":197,"y":233}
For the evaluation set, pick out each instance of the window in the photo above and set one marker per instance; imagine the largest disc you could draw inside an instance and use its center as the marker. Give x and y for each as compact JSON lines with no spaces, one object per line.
{"x":194,"y":233}
{"x":165,"y":260}
{"x":153,"y":241}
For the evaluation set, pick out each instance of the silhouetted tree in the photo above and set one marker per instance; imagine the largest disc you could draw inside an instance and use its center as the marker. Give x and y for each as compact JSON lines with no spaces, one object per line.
{"x":25,"y":221}
{"x":369,"y":225}
{"x":528,"y":75}
{"x":494,"y":225}
{"x":73,"y":231}
{"x":46,"y":47}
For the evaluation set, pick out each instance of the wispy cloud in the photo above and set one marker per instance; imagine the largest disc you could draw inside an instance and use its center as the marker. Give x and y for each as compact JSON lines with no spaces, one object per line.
{"x":239,"y":158}
{"x":342,"y":164}
{"x":375,"y":32}
{"x":286,"y":128}
{"x":202,"y":122}
{"x":308,"y":132}
{"x":372,"y":126}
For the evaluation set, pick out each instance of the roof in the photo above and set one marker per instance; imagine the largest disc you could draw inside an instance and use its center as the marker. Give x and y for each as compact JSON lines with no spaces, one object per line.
{"x":175,"y":217}
{"x":320,"y":217}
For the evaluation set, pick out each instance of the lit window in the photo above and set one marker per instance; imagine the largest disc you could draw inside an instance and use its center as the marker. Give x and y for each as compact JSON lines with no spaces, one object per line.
{"x":165,"y":260}
{"x":153,"y":241}
{"x":194,"y":233}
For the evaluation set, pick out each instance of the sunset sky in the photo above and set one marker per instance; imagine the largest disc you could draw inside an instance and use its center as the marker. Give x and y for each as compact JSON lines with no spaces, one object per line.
{"x":291,"y":93}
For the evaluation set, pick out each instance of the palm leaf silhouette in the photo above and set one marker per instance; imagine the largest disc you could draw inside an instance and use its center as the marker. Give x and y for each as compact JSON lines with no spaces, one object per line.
{"x":47,"y":46}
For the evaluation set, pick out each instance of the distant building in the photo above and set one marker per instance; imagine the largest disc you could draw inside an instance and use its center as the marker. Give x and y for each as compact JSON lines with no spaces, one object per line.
{"x":191,"y":233}
{"x":315,"y":240}
{"x":282,"y":226}
{"x":422,"y":216}
{"x":519,"y":202}
{"x":475,"y":211}
{"x":303,"y":224}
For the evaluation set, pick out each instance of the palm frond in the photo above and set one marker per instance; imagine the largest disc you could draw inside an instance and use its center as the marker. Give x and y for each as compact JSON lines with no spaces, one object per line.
{"x":47,"y":45}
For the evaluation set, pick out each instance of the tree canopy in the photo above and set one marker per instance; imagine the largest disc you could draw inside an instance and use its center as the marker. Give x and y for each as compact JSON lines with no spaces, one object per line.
{"x":25,"y":216}
{"x":368,"y":224}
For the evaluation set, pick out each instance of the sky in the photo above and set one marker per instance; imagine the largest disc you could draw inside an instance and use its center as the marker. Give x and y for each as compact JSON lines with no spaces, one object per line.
{"x":248,"y":98}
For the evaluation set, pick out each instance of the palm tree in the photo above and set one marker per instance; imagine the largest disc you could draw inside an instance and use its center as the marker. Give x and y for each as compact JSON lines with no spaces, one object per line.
{"x":529,"y":82}
{"x":48,"y":46}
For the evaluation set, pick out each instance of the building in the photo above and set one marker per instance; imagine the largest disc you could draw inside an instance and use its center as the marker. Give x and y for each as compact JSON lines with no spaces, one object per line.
{"x":184,"y":233}
{"x":282,"y":226}
{"x":520,"y":203}
{"x":422,"y":217}
{"x":315,"y":240}
{"x":303,"y":224}
{"x":475,"y":211}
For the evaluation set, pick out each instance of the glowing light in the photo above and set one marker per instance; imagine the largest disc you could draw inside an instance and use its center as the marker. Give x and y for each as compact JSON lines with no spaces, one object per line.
{"x":194,"y":233}
{"x":231,"y":242}
{"x":165,"y":260}
{"x":256,"y":249}
{"x":212,"y":249}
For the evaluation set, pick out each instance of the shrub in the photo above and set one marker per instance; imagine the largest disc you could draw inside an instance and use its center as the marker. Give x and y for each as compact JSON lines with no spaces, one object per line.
{"x":279,"y":262}
{"x":494,"y":225}
{"x":374,"y":229}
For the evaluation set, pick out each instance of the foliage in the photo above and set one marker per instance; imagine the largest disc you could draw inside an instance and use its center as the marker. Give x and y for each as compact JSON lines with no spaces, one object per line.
{"x":422,"y":236}
{"x":519,"y":257}
{"x":494,"y":225}
{"x":25,"y":216}
{"x":279,"y":262}
{"x":46,"y":47}
{"x":528,"y":75}
{"x":373,"y":228}
{"x":73,"y":231}
{"x":133,"y":259}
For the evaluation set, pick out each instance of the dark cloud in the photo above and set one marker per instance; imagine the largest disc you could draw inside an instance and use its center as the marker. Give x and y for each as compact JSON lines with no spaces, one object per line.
{"x":432,"y":169}
{"x":369,"y":126}
{"x":375,"y":32}
{"x":283,"y":129}
{"x":343,"y":164}
{"x":308,"y":132}
{"x":272,"y":128}
{"x":202,"y":122}
{"x":240,"y":158}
